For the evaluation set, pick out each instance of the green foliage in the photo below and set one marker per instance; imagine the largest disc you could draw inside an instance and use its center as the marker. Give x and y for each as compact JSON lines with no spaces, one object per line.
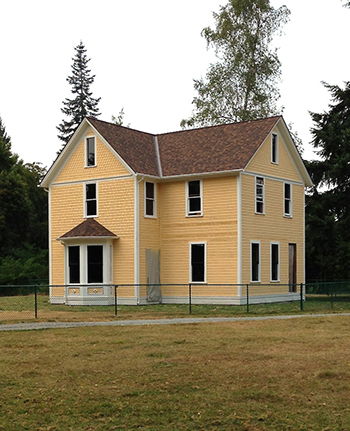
{"x":23,"y":217}
{"x":83,"y":104}
{"x":119,"y":121}
{"x":328,"y":205}
{"x":242,"y":84}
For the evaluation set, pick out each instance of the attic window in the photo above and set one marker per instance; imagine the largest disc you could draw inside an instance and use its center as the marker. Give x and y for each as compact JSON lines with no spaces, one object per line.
{"x":90,"y":152}
{"x":274,"y":148}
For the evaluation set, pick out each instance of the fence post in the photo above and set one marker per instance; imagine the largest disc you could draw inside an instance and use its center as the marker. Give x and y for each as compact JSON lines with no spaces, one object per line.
{"x":247,"y":298}
{"x":35,"y":301}
{"x":190,"y":297}
{"x":115,"y":300}
{"x":301,"y":297}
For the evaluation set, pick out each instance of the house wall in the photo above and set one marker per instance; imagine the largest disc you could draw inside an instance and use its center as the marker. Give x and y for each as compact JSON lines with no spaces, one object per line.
{"x":217,"y":227}
{"x":272,"y":226}
{"x":115,"y":212}
{"x":149,"y":229}
{"x":107,"y":164}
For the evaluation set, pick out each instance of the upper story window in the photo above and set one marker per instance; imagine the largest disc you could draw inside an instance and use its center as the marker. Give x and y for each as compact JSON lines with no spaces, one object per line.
{"x":91,"y":200}
{"x":274,"y":148}
{"x":194,"y":198}
{"x":90,"y":151}
{"x":287,"y":200}
{"x":259,"y":195}
{"x":150,"y":200}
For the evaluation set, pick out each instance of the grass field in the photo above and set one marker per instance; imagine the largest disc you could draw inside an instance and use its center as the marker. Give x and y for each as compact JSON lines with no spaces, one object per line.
{"x":270,"y":375}
{"x":21,"y":308}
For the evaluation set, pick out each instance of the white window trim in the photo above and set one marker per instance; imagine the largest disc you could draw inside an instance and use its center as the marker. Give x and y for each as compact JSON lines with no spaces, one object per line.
{"x":251,"y":262}
{"x":277,"y":148}
{"x":86,"y":152}
{"x":290,"y":215}
{"x":256,"y":196}
{"x":188,"y":214}
{"x":85,"y":206}
{"x":205,"y":262}
{"x":107,"y":250}
{"x":154,"y":201}
{"x":278,"y":263}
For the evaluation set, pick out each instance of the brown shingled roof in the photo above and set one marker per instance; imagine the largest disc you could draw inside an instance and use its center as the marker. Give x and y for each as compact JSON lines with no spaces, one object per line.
{"x":89,"y":228}
{"x":226,"y":147}
{"x":136,"y":148}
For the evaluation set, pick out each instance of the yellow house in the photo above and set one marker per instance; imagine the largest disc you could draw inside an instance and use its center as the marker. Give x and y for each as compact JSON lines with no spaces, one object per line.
{"x":217,"y":207}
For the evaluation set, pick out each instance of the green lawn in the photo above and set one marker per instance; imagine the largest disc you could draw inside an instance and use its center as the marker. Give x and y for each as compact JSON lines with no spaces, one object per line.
{"x":240,"y":376}
{"x":22,"y":308}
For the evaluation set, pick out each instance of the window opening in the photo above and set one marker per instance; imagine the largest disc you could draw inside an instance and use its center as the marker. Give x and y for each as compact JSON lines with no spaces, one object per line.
{"x":194,"y":198}
{"x":255,"y":261}
{"x":74,"y":264}
{"x":150,"y":199}
{"x":287,"y":199}
{"x":198,"y":263}
{"x":95,"y":263}
{"x":91,"y":200}
{"x":274,"y":262}
{"x":259,"y":195}
{"x":90,"y":152}
{"x":274,"y":148}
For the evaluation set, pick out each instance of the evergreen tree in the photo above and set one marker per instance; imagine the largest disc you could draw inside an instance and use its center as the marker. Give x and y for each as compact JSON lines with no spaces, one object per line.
{"x":23,"y":217}
{"x":328,"y":205}
{"x":83,"y":104}
{"x":241,"y":85}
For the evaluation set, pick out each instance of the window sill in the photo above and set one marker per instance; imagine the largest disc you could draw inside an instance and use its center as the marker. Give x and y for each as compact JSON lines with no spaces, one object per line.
{"x":151,"y":217}
{"x":194,"y":215}
{"x":259,"y":213}
{"x":287,"y":216}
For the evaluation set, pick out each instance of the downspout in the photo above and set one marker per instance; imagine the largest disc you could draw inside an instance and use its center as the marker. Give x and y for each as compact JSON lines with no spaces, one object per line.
{"x":137,"y":238}
{"x":239,"y":234}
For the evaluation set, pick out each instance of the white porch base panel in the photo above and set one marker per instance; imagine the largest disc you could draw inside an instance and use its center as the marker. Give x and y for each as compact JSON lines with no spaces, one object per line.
{"x":214,"y":300}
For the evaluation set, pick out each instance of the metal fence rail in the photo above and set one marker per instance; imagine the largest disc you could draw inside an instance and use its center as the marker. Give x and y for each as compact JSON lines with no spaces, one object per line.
{"x":32,"y":301}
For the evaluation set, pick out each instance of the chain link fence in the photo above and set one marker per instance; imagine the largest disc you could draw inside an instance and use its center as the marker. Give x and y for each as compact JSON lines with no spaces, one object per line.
{"x":91,"y":303}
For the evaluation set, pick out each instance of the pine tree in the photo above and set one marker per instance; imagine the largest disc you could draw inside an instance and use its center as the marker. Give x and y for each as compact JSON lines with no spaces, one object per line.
{"x":83,"y":104}
{"x":241,"y":85}
{"x":328,"y":205}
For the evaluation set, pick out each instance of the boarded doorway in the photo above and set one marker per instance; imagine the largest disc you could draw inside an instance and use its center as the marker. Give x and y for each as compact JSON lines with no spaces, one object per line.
{"x":154,"y":293}
{"x":292,"y":267}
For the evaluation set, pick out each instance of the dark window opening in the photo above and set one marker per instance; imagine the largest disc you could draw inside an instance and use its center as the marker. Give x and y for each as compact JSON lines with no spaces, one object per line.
{"x":274,"y":149}
{"x":95,"y":263}
{"x":198,"y":262}
{"x":255,"y":261}
{"x":74,"y":264}
{"x":274,"y":262}
{"x":150,"y":199}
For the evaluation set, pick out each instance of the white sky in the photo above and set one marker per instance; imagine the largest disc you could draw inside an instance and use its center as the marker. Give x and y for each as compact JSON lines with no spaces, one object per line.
{"x":145,"y":55}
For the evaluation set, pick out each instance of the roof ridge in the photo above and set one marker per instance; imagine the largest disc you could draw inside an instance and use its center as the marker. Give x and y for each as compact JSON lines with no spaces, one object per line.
{"x":220,"y":125}
{"x":118,"y":125}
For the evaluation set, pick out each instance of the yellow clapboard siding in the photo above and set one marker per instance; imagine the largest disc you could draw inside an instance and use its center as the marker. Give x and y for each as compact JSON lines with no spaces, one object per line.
{"x":217,"y":227}
{"x":116,"y":213}
{"x":272,"y":227}
{"x":107,"y":165}
{"x":261,"y":161}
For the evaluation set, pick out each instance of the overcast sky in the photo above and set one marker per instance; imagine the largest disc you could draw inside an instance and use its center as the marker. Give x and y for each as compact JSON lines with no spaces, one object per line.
{"x":145,"y":55}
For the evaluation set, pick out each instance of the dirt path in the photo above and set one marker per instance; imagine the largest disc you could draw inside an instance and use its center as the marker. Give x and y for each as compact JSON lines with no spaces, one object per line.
{"x":176,"y":321}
